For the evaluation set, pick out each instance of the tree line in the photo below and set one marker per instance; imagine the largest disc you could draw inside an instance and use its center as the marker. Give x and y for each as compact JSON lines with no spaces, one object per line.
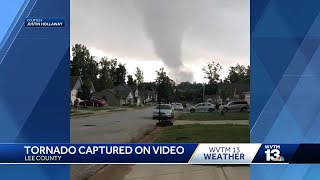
{"x":109,"y":73}
{"x":105,"y":74}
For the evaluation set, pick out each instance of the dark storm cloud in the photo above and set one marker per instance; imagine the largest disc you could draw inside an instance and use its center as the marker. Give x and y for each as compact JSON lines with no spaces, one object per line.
{"x":177,"y":32}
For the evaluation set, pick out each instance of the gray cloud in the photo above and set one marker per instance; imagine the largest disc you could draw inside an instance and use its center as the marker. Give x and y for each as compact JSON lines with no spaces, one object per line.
{"x":165,"y":23}
{"x":179,"y":32}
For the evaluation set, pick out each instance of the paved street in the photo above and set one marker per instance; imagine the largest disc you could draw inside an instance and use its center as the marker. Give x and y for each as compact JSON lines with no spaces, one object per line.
{"x":113,"y":127}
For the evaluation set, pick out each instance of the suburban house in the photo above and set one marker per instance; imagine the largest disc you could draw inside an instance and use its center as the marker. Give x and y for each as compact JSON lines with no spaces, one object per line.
{"x":214,"y":98}
{"x":125,"y":94}
{"x":118,"y":96}
{"x":236,"y":91}
{"x":142,"y":95}
{"x":240,"y":91}
{"x":247,"y":97}
{"x":136,"y":94}
{"x":75,"y":87}
{"x":148,"y":96}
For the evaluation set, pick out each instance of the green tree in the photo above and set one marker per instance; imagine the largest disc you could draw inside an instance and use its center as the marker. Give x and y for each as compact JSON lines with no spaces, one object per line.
{"x":177,"y":95}
{"x":212,"y":72}
{"x":119,"y":75}
{"x":91,"y":70}
{"x":105,"y":79}
{"x":83,"y":64}
{"x":247,"y":75}
{"x":148,"y":87}
{"x":118,"y":72}
{"x":86,"y":90}
{"x":164,"y":86}
{"x":139,"y":78}
{"x":239,"y":73}
{"x":192,"y":92}
{"x":224,"y":91}
{"x":113,"y":67}
{"x":211,"y":88}
{"x":80,"y":54}
{"x":130,"y":80}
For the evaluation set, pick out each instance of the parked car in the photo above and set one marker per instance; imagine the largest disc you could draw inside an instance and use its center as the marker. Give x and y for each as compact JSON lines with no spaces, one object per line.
{"x":235,"y":106}
{"x":202,"y":107}
{"x":178,"y":107}
{"x":93,"y":102}
{"x":166,"y":111}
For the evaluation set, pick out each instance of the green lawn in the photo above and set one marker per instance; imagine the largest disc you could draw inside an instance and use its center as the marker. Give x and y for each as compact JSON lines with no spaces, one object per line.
{"x":73,"y":111}
{"x":196,"y":133}
{"x":214,"y":116}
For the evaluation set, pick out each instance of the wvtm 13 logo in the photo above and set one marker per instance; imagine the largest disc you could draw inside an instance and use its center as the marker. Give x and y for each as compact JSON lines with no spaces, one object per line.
{"x":273,"y":153}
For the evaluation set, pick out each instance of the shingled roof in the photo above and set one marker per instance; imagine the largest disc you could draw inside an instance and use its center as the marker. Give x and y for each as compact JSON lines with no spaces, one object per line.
{"x":123,"y":90}
{"x":132,"y":87}
{"x":73,"y":81}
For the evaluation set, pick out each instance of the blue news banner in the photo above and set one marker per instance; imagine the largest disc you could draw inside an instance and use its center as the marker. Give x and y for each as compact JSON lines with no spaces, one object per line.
{"x":202,"y":153}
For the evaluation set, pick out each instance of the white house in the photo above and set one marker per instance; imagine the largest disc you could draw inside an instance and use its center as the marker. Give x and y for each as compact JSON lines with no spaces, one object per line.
{"x":247,"y":97}
{"x":126,"y":94}
{"x":75,"y":87}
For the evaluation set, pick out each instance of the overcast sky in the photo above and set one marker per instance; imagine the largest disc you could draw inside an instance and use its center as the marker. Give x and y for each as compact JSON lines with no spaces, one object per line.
{"x":180,"y":35}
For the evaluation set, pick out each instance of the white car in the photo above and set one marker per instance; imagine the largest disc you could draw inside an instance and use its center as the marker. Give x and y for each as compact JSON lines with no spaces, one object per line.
{"x":235,"y":106}
{"x":178,"y":106}
{"x":164,"y":110}
{"x":202,"y":107}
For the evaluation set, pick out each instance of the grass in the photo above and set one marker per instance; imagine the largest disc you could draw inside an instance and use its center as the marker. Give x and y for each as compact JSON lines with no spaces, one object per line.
{"x":196,"y":133}
{"x":214,"y":116}
{"x":73,"y":112}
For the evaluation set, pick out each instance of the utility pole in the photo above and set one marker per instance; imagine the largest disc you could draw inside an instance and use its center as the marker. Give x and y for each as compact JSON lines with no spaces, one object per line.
{"x":204,"y":86}
{"x":159,"y":102}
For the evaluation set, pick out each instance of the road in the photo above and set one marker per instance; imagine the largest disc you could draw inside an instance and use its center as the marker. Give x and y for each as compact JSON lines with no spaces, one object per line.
{"x":113,"y":127}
